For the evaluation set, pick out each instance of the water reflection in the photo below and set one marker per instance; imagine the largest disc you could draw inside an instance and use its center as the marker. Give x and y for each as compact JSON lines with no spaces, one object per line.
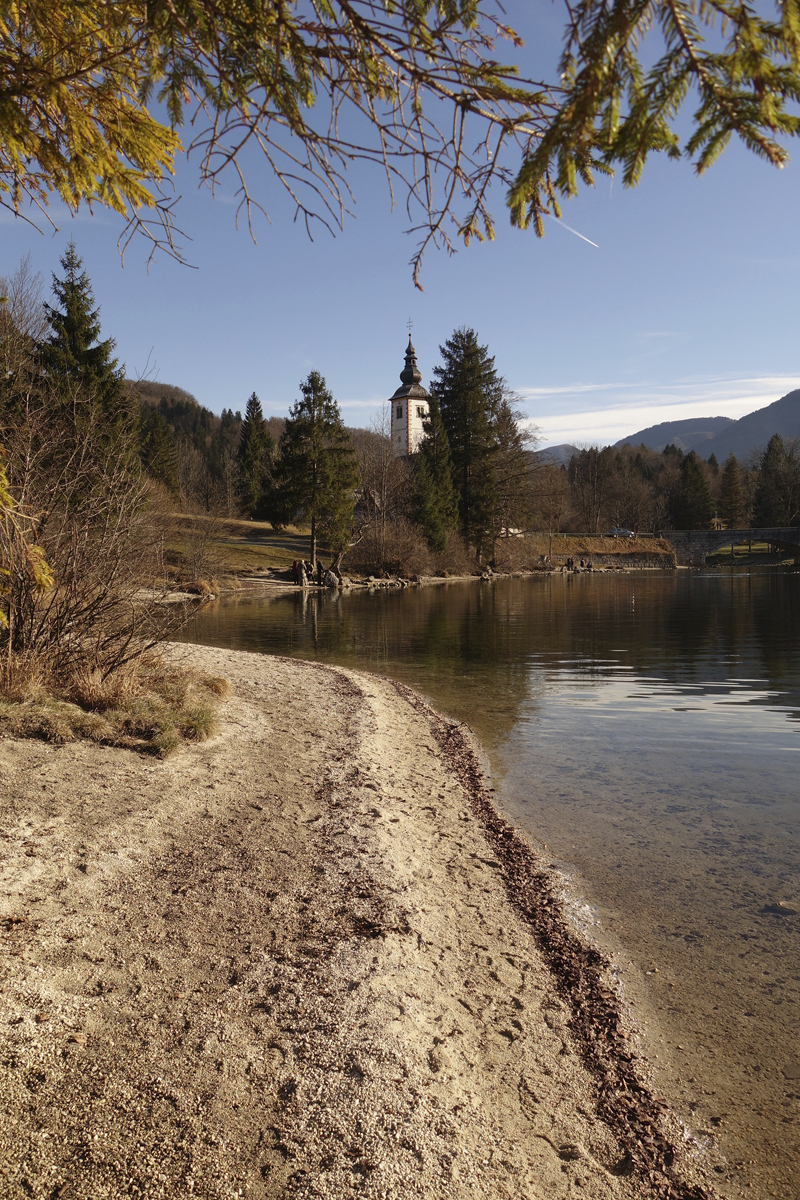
{"x":644,"y":727}
{"x":470,"y":644}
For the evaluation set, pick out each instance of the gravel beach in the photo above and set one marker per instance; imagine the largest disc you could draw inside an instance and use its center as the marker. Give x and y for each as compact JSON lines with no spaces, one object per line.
{"x":307,"y":958}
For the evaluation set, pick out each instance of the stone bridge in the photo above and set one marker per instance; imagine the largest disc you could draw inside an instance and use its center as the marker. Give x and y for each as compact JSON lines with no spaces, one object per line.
{"x":692,"y":545}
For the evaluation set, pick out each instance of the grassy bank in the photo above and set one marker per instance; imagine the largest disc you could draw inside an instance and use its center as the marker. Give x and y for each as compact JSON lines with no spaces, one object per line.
{"x":213,"y":549}
{"x":751,"y":554}
{"x":199,"y":548}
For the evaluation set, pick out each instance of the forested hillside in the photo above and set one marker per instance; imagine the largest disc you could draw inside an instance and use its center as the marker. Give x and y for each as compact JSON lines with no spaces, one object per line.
{"x":190,"y":450}
{"x":639,"y":489}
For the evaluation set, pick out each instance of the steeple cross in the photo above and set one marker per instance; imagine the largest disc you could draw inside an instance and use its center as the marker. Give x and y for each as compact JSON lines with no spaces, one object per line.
{"x":410,"y":323}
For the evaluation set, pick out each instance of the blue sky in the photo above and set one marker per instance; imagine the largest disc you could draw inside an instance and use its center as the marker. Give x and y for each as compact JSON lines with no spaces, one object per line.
{"x":687,"y":306}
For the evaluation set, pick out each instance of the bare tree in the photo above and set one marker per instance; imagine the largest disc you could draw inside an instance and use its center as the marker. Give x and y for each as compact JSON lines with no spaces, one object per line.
{"x":230,"y":477}
{"x":386,"y":485}
{"x":75,"y":482}
{"x":513,"y":470}
{"x":551,"y":499}
{"x":590,"y":473}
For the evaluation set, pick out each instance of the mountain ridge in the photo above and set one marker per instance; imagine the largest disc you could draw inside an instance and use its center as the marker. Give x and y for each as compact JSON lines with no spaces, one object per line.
{"x":687,"y":435}
{"x":722,"y":436}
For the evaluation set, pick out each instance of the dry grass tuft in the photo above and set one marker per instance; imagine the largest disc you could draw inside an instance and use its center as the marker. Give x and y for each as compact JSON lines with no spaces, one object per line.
{"x":147,"y":705}
{"x":217,"y":685}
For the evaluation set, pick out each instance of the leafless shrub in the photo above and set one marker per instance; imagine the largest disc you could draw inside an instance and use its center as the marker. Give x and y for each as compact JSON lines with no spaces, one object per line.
{"x":405,"y":548}
{"x":385,"y":493}
{"x":401,"y":549}
{"x":458,"y":559}
{"x":87,"y":503}
{"x":85,"y":509}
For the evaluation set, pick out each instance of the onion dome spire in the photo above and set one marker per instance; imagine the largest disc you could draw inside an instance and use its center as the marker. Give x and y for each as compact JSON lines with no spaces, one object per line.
{"x":410,"y":372}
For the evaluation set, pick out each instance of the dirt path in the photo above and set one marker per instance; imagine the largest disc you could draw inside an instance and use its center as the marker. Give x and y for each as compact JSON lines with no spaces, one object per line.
{"x":297,"y":961}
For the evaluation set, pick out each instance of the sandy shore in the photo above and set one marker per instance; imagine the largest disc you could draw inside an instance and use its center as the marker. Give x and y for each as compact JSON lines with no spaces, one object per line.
{"x":305,"y":959}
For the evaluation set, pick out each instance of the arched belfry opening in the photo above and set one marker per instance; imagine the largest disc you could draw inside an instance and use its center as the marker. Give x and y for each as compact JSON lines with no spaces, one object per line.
{"x":409,"y":407}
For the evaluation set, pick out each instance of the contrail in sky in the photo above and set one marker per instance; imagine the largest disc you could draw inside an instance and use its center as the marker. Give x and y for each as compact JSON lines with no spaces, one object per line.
{"x":569,"y":227}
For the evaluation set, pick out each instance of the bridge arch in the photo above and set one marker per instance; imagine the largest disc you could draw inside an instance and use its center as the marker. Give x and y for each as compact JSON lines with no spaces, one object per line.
{"x":692,"y":546}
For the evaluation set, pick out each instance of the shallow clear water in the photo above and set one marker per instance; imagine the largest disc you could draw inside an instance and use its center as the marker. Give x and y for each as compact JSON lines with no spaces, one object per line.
{"x":646,"y":728}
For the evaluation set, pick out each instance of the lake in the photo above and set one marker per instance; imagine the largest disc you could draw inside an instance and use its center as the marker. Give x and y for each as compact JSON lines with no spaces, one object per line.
{"x":644,"y":729}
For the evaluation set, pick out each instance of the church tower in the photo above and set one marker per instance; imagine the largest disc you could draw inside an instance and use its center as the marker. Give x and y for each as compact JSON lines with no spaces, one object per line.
{"x":409,"y":408}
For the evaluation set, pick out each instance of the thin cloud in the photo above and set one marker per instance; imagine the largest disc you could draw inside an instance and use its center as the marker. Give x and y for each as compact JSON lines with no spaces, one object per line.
{"x":605,"y":412}
{"x":637,"y":406}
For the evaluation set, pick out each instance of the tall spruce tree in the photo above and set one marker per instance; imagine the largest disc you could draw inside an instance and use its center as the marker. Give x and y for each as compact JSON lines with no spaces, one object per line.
{"x":732,"y":499}
{"x":777,"y":498}
{"x":73,"y":357}
{"x":470,"y":393}
{"x":694,"y":505}
{"x":435,"y":499}
{"x":157,"y":448}
{"x":317,"y":470}
{"x":255,"y":457}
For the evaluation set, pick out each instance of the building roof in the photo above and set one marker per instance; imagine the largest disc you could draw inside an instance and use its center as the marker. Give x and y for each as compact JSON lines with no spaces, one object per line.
{"x":410,"y":376}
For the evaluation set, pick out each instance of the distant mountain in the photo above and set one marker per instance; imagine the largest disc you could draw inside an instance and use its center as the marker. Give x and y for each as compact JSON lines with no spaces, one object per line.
{"x":693,"y":434}
{"x":753,"y":432}
{"x":559,"y":455}
{"x":722,"y":436}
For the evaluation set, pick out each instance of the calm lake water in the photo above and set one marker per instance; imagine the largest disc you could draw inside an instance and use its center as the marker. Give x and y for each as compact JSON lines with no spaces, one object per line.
{"x":645,"y":728}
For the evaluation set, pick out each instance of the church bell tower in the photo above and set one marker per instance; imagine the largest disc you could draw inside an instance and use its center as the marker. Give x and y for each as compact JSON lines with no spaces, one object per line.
{"x":409,"y":407}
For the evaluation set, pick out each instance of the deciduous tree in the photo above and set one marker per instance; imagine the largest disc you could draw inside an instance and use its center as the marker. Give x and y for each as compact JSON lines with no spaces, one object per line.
{"x":590,"y":474}
{"x":22,"y":562}
{"x":551,"y":498}
{"x":384,"y":493}
{"x":79,"y":502}
{"x":512,"y":473}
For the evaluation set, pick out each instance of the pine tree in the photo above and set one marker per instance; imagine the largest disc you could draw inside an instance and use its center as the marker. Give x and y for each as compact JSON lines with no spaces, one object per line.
{"x":317,"y":471}
{"x":732,"y":501}
{"x":255,"y":456}
{"x":694,"y":507}
{"x":435,"y":500}
{"x":157,"y":448}
{"x":73,"y":357}
{"x":470,"y":392}
{"x":777,"y":499}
